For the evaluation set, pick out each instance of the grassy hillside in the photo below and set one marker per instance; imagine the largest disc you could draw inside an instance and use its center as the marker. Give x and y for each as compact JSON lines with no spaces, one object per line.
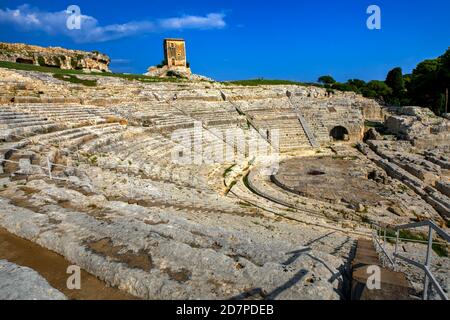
{"x":57,"y":71}
{"x":259,"y":82}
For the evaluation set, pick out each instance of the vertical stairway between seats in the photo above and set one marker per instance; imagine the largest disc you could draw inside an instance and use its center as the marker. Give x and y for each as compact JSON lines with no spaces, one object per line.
{"x":393,"y":286}
{"x":304,"y":124}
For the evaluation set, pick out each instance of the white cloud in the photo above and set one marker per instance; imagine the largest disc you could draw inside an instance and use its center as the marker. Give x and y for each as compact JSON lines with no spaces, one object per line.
{"x":28,"y":18}
{"x":212,"y":20}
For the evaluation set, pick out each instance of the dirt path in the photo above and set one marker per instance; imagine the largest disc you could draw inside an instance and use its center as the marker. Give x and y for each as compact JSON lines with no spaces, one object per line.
{"x":53,"y":268}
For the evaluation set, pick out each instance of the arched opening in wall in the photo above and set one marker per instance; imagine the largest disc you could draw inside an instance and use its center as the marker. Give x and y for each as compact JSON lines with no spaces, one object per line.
{"x":22,"y":60}
{"x":339,"y":133}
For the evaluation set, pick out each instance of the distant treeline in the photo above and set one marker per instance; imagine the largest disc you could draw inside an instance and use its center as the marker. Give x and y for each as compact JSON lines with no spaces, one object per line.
{"x":427,"y":86}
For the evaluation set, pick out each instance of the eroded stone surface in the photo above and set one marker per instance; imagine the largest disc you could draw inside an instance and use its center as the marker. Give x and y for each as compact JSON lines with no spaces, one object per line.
{"x":114,"y":201}
{"x":54,"y":57}
{"x":22,"y":283}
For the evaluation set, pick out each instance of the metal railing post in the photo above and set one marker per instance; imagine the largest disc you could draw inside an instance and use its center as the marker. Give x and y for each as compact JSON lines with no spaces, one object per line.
{"x":430,"y":281}
{"x":49,"y":166}
{"x":397,"y":235}
{"x":427,"y":263}
{"x":377,"y":237}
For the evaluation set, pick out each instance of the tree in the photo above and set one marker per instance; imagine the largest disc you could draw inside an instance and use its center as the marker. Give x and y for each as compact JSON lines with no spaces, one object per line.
{"x":344,"y":87}
{"x":394,"y":80}
{"x":376,"y":89}
{"x":356,"y":83}
{"x":326,"y":80}
{"x":407,"y":79}
{"x":444,"y":79}
{"x":427,"y":86}
{"x":425,"y":89}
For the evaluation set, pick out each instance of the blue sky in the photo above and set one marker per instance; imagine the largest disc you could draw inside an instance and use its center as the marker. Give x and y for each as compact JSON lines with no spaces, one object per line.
{"x":230,"y":39}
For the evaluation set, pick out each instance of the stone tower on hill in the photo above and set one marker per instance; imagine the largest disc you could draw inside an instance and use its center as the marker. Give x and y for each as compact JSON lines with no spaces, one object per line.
{"x":175,"y":52}
{"x":175,"y":63}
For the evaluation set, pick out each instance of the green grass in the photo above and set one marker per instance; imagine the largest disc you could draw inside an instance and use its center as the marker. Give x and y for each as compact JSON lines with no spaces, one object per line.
{"x":228,"y":170}
{"x":372,"y":124}
{"x":439,"y":249}
{"x":245,"y":204}
{"x":73,"y":79}
{"x":377,"y":125}
{"x":245,"y":180}
{"x":54,"y":70}
{"x":259,"y":82}
{"x":403,"y":188}
{"x":232,"y":184}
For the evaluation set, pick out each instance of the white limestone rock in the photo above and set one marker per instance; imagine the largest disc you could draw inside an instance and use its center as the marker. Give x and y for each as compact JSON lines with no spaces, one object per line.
{"x":22,"y":283}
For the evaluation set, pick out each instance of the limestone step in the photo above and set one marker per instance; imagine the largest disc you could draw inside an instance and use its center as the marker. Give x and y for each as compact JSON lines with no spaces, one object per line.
{"x":393,"y":285}
{"x":27,"y":124}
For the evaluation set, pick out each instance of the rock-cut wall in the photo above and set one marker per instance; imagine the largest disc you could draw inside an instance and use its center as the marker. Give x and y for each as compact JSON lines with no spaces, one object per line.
{"x":54,"y":57}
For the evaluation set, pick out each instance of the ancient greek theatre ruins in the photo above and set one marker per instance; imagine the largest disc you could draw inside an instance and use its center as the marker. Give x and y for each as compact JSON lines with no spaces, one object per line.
{"x":129,"y":180}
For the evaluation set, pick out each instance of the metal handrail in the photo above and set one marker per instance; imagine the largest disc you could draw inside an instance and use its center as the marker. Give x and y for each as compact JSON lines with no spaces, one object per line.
{"x":416,"y":240}
{"x":426,"y":223}
{"x":311,"y":138}
{"x":424,"y":266}
{"x":382,"y":247}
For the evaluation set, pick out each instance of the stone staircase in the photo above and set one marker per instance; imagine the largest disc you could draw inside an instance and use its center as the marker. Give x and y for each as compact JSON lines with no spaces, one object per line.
{"x":306,"y":128}
{"x":394,"y":285}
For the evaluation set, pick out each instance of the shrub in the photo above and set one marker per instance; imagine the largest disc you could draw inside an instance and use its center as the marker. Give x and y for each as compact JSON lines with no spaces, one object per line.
{"x":376,"y":89}
{"x":41,"y":61}
{"x":74,"y":62}
{"x":172,"y":73}
{"x":326,"y":80}
{"x":357,"y":83}
{"x":343,"y":87}
{"x":56,"y":61}
{"x":162,"y":64}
